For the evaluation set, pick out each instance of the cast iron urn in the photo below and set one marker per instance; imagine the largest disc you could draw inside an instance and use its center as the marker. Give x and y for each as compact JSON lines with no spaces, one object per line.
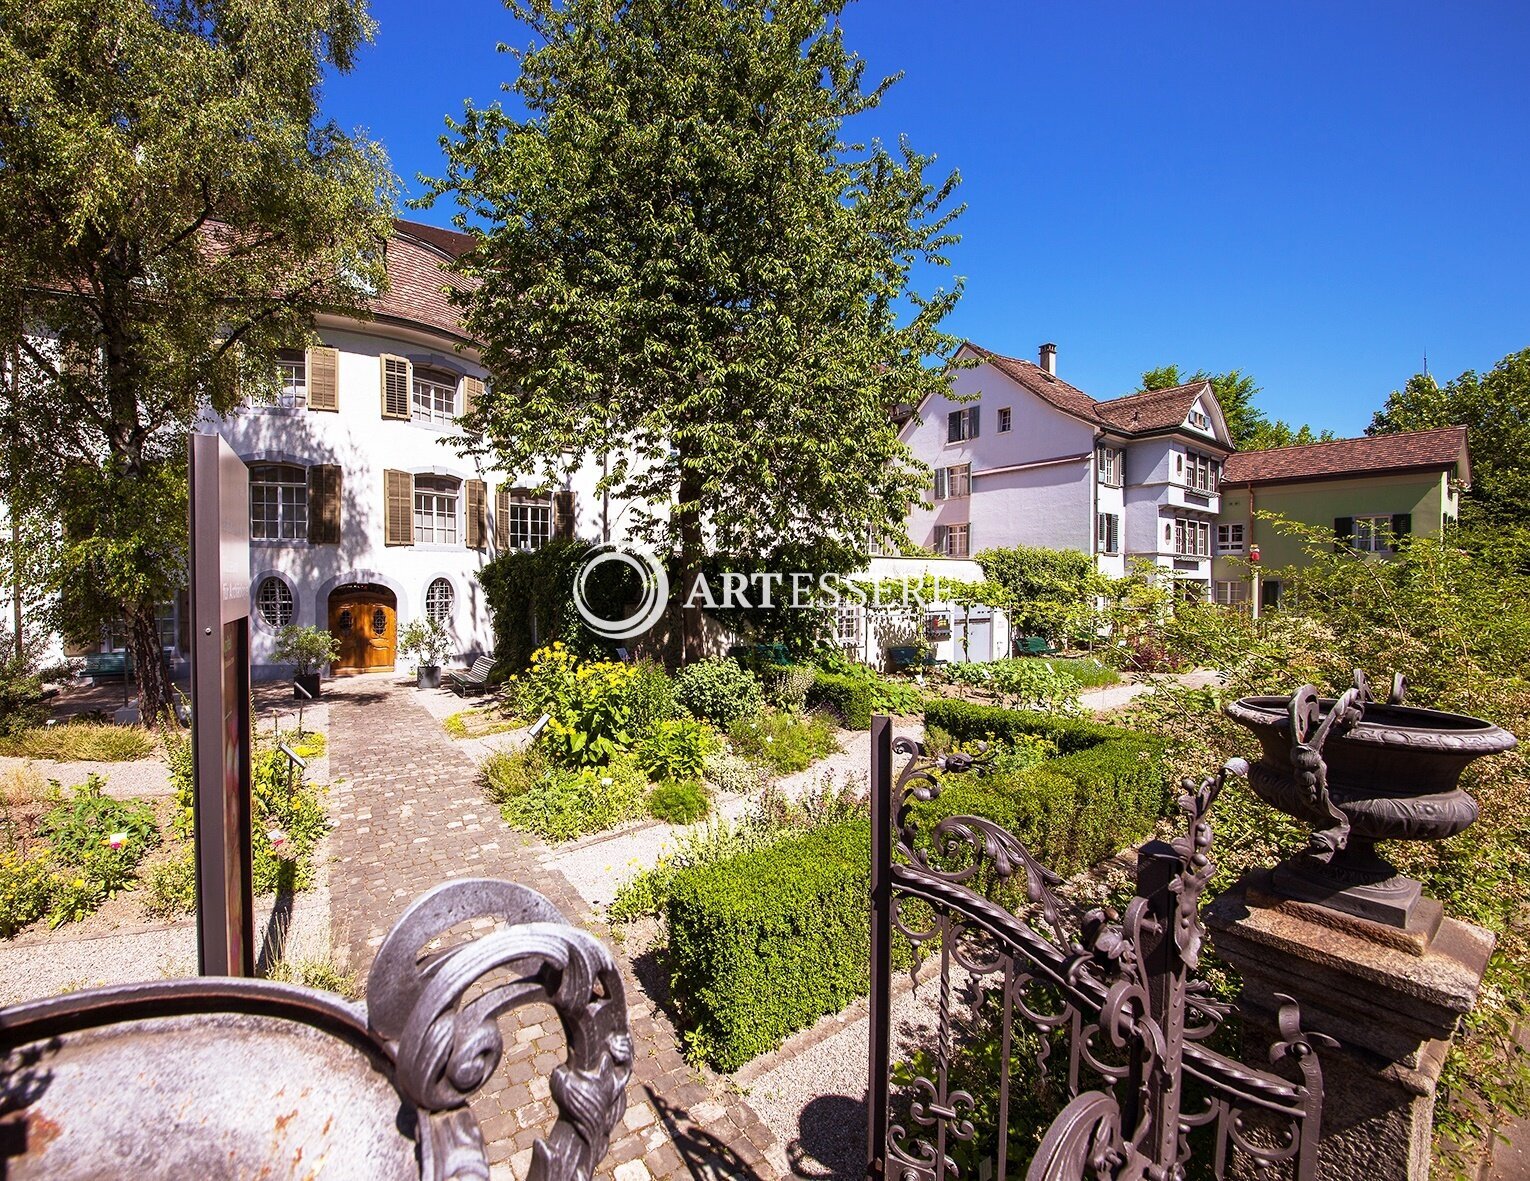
{"x":1360,"y":771}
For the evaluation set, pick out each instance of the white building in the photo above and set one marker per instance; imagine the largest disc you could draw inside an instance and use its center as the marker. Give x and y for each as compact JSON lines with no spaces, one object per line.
{"x":1023,"y":458}
{"x":362,"y":515}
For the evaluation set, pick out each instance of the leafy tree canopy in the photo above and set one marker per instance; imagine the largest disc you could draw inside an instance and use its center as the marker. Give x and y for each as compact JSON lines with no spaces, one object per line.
{"x":1495,"y":409}
{"x":690,"y":274}
{"x":172,"y":212}
{"x":1250,"y":428}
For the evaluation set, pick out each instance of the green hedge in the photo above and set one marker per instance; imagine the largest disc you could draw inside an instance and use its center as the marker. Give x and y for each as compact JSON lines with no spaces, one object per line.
{"x":764,"y":944}
{"x":849,"y":698}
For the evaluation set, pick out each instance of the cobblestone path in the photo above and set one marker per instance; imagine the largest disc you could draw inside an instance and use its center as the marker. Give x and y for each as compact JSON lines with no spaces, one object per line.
{"x":408,"y":815}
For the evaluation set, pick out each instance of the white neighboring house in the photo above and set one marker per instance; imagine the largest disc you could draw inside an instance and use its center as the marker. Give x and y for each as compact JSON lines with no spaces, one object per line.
{"x":1027,"y":459}
{"x":362,"y":515}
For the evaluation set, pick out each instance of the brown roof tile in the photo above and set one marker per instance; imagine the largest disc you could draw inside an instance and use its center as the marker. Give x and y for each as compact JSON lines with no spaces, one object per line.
{"x":452,"y":242}
{"x":419,"y":277}
{"x":1041,"y":383}
{"x":1152,"y":410}
{"x":1442,"y":447}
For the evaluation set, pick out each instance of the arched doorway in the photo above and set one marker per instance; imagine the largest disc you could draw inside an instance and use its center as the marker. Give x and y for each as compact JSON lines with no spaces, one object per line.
{"x":363,"y":617}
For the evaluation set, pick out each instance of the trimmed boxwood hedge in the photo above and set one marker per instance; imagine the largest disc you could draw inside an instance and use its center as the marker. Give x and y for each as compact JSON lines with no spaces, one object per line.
{"x":767,"y":942}
{"x":849,"y":698}
{"x":763,"y":944}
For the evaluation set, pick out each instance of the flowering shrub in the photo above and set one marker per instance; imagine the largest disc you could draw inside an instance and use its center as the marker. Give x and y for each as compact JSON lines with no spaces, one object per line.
{"x":26,"y":886}
{"x":588,"y":707}
{"x":719,"y":691}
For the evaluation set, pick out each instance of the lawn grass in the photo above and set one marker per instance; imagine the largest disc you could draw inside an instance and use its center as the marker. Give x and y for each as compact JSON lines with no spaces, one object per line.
{"x":81,"y":742}
{"x":1086,"y":672}
{"x":479,"y":723}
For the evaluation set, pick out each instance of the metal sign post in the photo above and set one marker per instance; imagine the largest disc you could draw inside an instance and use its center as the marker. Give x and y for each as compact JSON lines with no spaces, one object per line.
{"x":220,"y":707}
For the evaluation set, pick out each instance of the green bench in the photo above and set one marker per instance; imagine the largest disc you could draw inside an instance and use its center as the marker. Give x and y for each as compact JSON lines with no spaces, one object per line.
{"x":1033,"y":646}
{"x":106,"y":664}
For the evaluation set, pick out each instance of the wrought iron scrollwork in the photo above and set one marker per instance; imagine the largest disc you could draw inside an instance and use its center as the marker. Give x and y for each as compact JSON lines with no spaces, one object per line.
{"x":1120,"y":991}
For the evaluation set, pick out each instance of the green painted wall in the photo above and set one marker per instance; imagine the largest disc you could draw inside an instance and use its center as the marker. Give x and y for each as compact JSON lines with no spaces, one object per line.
{"x":1319,"y":502}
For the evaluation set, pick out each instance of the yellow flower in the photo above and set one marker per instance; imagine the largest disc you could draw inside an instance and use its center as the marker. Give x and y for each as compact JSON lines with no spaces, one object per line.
{"x":79,"y":883}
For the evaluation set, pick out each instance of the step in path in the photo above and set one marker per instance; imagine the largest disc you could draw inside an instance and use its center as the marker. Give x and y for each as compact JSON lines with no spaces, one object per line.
{"x":408,"y":815}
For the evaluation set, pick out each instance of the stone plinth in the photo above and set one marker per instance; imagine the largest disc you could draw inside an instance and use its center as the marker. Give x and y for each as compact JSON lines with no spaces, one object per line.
{"x":1391,"y":1003}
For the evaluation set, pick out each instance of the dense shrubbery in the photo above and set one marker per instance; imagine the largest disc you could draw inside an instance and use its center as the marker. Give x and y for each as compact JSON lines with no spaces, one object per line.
{"x":679,"y":801}
{"x":719,"y":691}
{"x":847,"y":698}
{"x":1022,"y":683}
{"x":21,"y":699}
{"x":676,"y":749}
{"x":785,"y":743}
{"x":787,"y":685}
{"x":531,"y":594}
{"x":560,"y":803}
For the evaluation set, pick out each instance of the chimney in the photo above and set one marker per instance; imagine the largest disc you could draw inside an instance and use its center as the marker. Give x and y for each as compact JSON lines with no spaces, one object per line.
{"x":1049,"y":358}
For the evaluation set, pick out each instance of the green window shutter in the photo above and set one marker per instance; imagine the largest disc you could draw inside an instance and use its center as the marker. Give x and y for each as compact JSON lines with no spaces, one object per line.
{"x":1343,"y":533}
{"x":1402,"y":526}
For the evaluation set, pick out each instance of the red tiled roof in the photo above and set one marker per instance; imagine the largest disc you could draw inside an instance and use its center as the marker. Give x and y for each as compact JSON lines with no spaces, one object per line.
{"x":419,"y":276}
{"x":1041,"y":383}
{"x":1152,"y":410}
{"x":1442,"y":447}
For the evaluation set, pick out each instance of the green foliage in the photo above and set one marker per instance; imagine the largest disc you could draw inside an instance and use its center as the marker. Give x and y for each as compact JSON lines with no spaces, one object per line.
{"x":588,"y":708}
{"x":507,"y":774}
{"x":781,"y":282}
{"x":763,"y":944}
{"x":82,"y":830}
{"x":563,"y":802}
{"x":425,"y":638}
{"x":309,"y":649}
{"x":733,"y":773}
{"x":1022,"y":683}
{"x":316,"y":972}
{"x":96,"y":742}
{"x":675,"y":749}
{"x":26,"y":888}
{"x":785,"y":743}
{"x":158,"y":138}
{"x":531,"y":595}
{"x":74,"y":900}
{"x":1246,"y":423}
{"x":787,"y":685}
{"x":170,"y":887}
{"x":1086,"y":673}
{"x":679,"y":801}
{"x":1495,"y":409}
{"x":651,"y":697}
{"x":21,"y":699}
{"x":847,"y":697}
{"x":719,"y":690}
{"x":1052,"y":592}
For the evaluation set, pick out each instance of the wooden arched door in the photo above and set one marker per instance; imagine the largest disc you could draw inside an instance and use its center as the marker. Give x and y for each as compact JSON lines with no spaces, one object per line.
{"x":365,"y":622}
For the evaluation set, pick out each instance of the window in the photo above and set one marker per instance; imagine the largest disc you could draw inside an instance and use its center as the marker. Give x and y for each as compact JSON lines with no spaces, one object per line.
{"x":435,"y":510}
{"x":1204,"y":473}
{"x":951,"y":483}
{"x":952,"y":541}
{"x":1006,"y":418}
{"x":530,"y":525}
{"x":1192,"y":539}
{"x":1108,"y":462}
{"x":439,"y":600}
{"x":1229,"y":593}
{"x":1230,"y":539}
{"x":1107,"y":533}
{"x":847,"y":625}
{"x":273,"y":599}
{"x":292,"y":374}
{"x":962,"y":425}
{"x":278,"y":502}
{"x":1199,"y":418}
{"x":435,"y":397}
{"x":1372,"y":535}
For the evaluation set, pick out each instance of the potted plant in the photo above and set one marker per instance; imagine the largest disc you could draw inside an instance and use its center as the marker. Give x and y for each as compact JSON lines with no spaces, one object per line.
{"x":429,"y":639}
{"x":308,"y":650}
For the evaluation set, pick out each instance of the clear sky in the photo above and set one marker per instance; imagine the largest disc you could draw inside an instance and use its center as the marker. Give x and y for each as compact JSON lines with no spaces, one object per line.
{"x":1313,"y":192}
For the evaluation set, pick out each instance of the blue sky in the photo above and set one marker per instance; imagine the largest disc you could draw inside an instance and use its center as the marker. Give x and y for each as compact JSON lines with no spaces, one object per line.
{"x":1315,"y":193}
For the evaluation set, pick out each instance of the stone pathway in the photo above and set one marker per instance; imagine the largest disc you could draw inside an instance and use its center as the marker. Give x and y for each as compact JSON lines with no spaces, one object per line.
{"x":409,"y":815}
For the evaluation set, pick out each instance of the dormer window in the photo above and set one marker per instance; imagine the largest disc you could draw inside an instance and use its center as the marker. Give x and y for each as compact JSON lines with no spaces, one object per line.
{"x":1200,"y":419}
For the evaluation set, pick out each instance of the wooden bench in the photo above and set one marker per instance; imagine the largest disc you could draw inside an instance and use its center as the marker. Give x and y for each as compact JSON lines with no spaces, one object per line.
{"x":475,"y":680}
{"x":1033,"y":646}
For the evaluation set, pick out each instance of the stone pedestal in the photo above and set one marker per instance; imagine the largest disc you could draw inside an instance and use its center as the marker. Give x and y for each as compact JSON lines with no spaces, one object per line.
{"x":1391,"y":1001}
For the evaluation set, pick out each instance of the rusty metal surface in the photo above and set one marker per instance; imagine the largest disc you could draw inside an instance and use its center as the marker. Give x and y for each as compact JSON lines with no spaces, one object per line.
{"x":233,"y":1078}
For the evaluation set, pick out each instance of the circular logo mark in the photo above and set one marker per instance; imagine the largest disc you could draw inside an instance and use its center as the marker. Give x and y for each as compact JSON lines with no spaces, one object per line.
{"x":650,"y":571}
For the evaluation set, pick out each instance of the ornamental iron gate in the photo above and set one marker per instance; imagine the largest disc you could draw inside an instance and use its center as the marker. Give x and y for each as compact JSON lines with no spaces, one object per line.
{"x":1119,"y":995}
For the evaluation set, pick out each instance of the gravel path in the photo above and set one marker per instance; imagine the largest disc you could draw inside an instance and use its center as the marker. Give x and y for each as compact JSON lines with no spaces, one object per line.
{"x":145,"y":778}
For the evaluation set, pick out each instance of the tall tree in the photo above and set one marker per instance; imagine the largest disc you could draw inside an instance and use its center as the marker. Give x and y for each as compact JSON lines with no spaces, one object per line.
{"x":1495,"y":409}
{"x":1246,"y":423}
{"x":690,"y":272}
{"x":172,"y":212}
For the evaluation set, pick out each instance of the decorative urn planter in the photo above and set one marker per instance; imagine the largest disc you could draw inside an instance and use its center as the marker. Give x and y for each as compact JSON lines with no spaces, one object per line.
{"x":427,"y":676}
{"x":1361,"y":771}
{"x":305,"y":685}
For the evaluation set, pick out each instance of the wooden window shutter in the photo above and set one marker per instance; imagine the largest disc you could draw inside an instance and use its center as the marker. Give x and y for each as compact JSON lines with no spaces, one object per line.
{"x":472,"y":391}
{"x":1343,"y":533}
{"x":563,"y":515}
{"x":324,"y":504}
{"x":1402,"y":525}
{"x":477,"y":523}
{"x":502,"y":517}
{"x":398,"y":508}
{"x":323,"y":379}
{"x":940,"y":483}
{"x":397,"y":378}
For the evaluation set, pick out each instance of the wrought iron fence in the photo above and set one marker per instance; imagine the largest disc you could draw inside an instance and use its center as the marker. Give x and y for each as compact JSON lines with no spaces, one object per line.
{"x":1105,"y":1014}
